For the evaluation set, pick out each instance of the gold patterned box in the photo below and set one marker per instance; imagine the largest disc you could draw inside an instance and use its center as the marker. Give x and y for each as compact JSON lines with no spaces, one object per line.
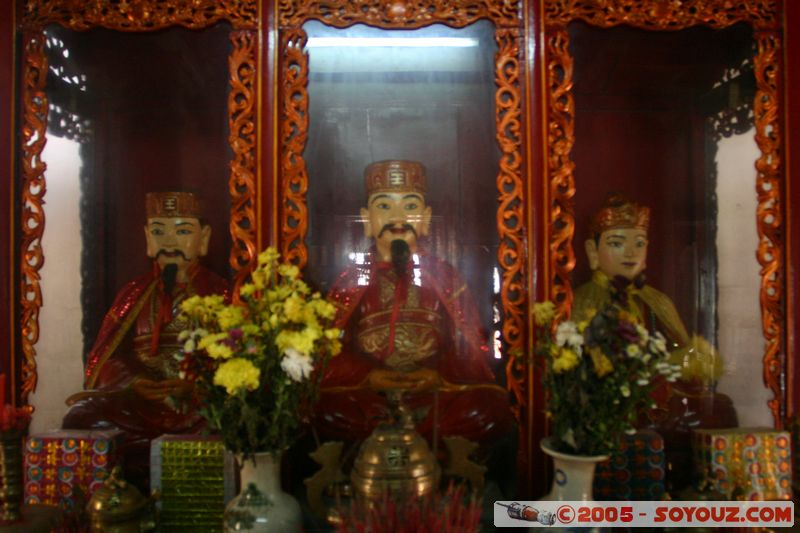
{"x":745,"y":463}
{"x":64,"y":467}
{"x":195,"y":476}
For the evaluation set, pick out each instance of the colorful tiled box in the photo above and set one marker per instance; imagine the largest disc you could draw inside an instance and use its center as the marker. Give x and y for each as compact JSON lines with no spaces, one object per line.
{"x":745,"y":463}
{"x":636,"y":472}
{"x":195,"y":476}
{"x":65,"y":467}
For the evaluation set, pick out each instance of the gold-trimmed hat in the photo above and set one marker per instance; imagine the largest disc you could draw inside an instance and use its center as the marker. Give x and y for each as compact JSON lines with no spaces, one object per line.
{"x":173,"y":204}
{"x":619,"y":212}
{"x":393,"y":175}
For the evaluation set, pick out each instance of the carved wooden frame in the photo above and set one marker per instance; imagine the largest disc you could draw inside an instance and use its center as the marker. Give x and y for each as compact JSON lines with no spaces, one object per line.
{"x":764,"y":17}
{"x":509,"y":64}
{"x":138,"y":16}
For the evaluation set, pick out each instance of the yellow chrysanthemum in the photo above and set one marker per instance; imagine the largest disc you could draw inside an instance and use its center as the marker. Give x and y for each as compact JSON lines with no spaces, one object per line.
{"x":269,"y":255}
{"x":259,"y":279}
{"x":336,"y":347}
{"x":294,"y":308}
{"x":212,"y":338}
{"x":250,"y":329}
{"x":602,"y":364}
{"x":219,"y":351}
{"x":302,"y":341}
{"x":237,"y":374}
{"x":248,"y":289}
{"x":193,"y":306}
{"x":280,"y":293}
{"x":543,"y":312}
{"x":322,"y":308}
{"x":289,"y":271}
{"x":567,"y":360}
{"x":230,"y":317}
{"x":270,"y":321}
{"x":554,"y":350}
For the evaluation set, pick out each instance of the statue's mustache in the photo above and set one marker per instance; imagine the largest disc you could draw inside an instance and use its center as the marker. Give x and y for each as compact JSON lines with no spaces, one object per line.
{"x":404,"y":227}
{"x":172,"y":253}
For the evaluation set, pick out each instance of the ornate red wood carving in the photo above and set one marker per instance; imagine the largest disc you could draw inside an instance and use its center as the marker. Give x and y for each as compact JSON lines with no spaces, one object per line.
{"x":664,"y":14}
{"x":34,"y":120}
{"x":134,"y":15}
{"x":398,"y":13}
{"x":294,"y":133}
{"x":763,"y":16}
{"x":140,"y":15}
{"x":561,"y":183}
{"x":243,"y":68}
{"x":769,"y":166}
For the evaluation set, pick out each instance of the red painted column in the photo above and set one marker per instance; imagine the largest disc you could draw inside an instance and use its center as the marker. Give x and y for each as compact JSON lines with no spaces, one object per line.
{"x":269,"y":140}
{"x":535,"y":462}
{"x":792,"y":158}
{"x":7,"y":290}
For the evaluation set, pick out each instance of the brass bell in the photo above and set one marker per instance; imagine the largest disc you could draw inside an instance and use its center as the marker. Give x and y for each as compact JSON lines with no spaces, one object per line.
{"x":119,"y":507}
{"x":395,"y":458}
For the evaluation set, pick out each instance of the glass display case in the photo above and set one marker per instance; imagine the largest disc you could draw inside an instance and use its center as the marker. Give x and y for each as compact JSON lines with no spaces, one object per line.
{"x":521,"y":117}
{"x":415,"y":114}
{"x":115,"y":104}
{"x":684,"y":122}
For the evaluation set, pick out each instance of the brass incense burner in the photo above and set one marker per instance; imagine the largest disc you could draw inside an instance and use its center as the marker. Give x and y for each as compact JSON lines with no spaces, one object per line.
{"x":119,"y":507}
{"x":395,"y":458}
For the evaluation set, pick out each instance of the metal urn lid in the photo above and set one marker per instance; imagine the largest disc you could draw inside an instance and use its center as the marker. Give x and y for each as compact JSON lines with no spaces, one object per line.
{"x":395,"y":459}
{"x":119,"y":507}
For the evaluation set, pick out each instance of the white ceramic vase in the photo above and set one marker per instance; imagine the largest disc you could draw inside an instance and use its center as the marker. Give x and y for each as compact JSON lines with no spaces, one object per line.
{"x":573,"y":475}
{"x":262,"y":506}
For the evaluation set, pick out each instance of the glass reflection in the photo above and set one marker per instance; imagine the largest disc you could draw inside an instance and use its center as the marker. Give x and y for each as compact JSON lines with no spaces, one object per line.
{"x":665,"y":118}
{"x":128,"y":113}
{"x":425,"y":95}
{"x":402,"y":165}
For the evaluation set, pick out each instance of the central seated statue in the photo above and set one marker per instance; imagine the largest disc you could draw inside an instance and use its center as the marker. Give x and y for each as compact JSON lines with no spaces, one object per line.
{"x":410,"y":324}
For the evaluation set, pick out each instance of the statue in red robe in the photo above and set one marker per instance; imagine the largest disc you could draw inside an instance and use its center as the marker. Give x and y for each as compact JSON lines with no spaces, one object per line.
{"x":132,"y":381}
{"x":410,"y":324}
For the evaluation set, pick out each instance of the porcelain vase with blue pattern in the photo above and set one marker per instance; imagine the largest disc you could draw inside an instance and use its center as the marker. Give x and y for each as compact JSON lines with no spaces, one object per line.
{"x":262,"y":506}
{"x":573,"y":475}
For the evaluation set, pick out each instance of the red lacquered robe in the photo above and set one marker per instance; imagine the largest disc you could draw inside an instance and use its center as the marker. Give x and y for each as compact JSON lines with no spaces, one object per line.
{"x":125,"y":349}
{"x":426,"y":318}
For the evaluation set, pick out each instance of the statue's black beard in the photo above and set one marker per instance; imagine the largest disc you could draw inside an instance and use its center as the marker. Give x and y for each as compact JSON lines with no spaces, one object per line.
{"x":400,"y":255}
{"x":168,"y":276}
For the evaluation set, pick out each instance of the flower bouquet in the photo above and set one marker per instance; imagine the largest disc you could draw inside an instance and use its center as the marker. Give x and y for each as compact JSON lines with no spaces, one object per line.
{"x":599,"y":374}
{"x":256,"y":364}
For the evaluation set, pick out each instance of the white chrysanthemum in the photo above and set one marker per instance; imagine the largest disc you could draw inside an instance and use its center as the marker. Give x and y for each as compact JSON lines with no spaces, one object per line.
{"x":632,"y":350}
{"x":189,"y":346}
{"x":567,"y":334}
{"x":644,"y":336}
{"x":658,"y":342}
{"x":296,"y":365}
